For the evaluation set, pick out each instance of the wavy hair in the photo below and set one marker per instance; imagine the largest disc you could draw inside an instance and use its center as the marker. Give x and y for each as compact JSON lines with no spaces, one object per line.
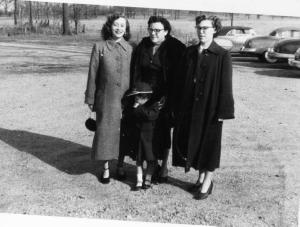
{"x":216,"y":22}
{"x":106,"y":31}
{"x":162,"y":20}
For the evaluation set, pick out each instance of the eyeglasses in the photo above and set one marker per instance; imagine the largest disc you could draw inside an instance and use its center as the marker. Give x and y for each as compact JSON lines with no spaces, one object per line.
{"x":202,"y":28}
{"x":150,"y":30}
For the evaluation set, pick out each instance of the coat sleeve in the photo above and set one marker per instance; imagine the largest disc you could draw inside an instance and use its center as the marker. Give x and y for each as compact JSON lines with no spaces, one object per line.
{"x":92,"y":75}
{"x":226,"y":102}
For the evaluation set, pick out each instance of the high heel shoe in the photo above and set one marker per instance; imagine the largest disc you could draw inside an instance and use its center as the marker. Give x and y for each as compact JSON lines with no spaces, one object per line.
{"x":199,"y":195}
{"x":146,"y":184}
{"x":104,"y":180}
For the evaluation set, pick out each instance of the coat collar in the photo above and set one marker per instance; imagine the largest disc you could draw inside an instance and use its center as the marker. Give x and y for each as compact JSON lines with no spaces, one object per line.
{"x":111,"y":44}
{"x":213,"y":47}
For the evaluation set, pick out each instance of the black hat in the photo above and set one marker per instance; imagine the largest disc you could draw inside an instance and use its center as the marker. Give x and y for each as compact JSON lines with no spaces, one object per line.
{"x":90,"y":124}
{"x":141,"y":88}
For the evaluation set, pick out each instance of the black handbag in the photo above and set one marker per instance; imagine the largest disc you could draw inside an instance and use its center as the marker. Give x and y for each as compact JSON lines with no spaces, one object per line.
{"x":90,"y":124}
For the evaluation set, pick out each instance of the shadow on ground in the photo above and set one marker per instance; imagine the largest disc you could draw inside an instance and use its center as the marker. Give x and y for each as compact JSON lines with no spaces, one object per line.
{"x":67,"y":156}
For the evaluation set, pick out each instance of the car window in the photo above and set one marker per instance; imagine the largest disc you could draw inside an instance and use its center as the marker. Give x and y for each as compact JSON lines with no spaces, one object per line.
{"x":284,"y":34}
{"x":295,"y":33}
{"x":250,"y":32}
{"x":231,"y":32}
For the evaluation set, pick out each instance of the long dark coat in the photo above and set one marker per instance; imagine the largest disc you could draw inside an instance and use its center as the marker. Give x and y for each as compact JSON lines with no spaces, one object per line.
{"x":108,"y":79}
{"x":205,"y":98}
{"x":139,"y":134}
{"x":170,"y":54}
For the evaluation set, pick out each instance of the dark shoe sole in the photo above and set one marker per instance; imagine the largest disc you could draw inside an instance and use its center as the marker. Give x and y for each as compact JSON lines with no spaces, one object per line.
{"x":104,"y":180}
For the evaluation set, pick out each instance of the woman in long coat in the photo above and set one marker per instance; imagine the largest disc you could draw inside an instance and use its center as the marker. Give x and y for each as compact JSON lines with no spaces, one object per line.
{"x":206,"y":100}
{"x":155,"y":61}
{"x":108,"y":79}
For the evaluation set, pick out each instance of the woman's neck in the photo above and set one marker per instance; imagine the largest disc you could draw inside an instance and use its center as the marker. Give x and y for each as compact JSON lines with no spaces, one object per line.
{"x":205,"y":45}
{"x":116,"y":39}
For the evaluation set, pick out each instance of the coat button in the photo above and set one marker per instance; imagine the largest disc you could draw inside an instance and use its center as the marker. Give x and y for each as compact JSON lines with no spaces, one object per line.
{"x":195,"y":80}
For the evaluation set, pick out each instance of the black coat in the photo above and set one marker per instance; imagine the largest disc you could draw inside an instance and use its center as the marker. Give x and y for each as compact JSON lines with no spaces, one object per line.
{"x":171,"y":52}
{"x":206,"y":96}
{"x":140,"y":133}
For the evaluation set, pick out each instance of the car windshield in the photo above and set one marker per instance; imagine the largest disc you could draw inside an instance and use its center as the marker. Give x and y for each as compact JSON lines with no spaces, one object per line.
{"x":241,"y":32}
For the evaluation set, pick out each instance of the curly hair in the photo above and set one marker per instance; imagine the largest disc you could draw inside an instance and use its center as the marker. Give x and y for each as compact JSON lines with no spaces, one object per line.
{"x":106,"y":31}
{"x":162,"y":20}
{"x":215,"y":21}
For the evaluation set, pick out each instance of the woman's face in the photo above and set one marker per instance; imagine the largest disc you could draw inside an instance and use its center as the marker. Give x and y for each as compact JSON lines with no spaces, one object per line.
{"x":205,"y":31}
{"x":118,"y":28}
{"x":157,"y":32}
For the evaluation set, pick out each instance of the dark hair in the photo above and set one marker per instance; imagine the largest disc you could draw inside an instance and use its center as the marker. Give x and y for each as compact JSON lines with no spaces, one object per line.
{"x":106,"y":31}
{"x":164,"y":21}
{"x":215,"y":21}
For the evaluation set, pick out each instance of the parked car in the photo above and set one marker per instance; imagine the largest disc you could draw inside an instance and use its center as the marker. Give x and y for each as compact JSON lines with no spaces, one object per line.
{"x":236,"y":34}
{"x":258,"y":46}
{"x":295,"y":61}
{"x":284,"y":49}
{"x":226,"y":44}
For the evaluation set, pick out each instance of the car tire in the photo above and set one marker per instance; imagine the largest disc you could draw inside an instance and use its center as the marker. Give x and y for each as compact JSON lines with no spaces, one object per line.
{"x":268,"y":59}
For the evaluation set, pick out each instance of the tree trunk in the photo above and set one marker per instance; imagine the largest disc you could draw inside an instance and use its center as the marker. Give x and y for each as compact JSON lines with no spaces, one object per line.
{"x":231,"y":19}
{"x":15,"y":12}
{"x":65,"y":20}
{"x":30,"y":17}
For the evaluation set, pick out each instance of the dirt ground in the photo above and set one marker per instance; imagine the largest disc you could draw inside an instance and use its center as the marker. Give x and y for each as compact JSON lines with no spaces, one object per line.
{"x":45,"y":148}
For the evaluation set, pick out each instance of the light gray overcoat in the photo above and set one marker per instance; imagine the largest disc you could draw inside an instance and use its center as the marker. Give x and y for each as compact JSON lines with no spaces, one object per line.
{"x":108,"y":79}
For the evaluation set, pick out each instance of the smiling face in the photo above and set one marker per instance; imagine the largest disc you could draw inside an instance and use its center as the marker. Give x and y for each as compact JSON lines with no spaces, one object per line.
{"x":118,"y":28}
{"x":157,"y":32}
{"x":205,"y":32}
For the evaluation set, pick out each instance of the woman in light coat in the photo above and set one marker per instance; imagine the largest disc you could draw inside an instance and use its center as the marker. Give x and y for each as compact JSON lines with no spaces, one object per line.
{"x":108,"y":79}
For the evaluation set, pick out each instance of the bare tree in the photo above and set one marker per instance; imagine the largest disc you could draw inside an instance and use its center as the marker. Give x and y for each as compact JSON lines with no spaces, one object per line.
{"x":30,"y":16}
{"x":65,"y":20}
{"x":76,"y":16}
{"x":15,"y":12}
{"x":5,"y":5}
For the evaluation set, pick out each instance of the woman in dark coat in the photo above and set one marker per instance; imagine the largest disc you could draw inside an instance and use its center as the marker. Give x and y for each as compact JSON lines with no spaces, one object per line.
{"x":206,"y":100}
{"x":155,"y":61}
{"x":108,"y":79}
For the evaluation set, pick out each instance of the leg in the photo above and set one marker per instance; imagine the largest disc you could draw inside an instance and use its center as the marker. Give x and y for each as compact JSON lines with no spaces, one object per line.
{"x":121,"y":175}
{"x":149,"y":173}
{"x":195,"y":187}
{"x":105,"y":179}
{"x":139,"y":177}
{"x":105,"y":169}
{"x":206,"y":188}
{"x":207,"y":181}
{"x":163,"y":175}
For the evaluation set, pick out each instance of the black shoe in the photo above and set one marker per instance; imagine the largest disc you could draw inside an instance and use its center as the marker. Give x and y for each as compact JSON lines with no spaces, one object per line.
{"x":194,"y":187}
{"x":146,"y":185}
{"x":104,"y":180}
{"x":121,"y":175}
{"x":199,"y":195}
{"x":137,"y":188}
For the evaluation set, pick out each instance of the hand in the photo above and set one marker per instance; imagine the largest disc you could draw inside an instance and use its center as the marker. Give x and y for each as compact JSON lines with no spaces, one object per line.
{"x":136,"y":104}
{"x":220,"y":119}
